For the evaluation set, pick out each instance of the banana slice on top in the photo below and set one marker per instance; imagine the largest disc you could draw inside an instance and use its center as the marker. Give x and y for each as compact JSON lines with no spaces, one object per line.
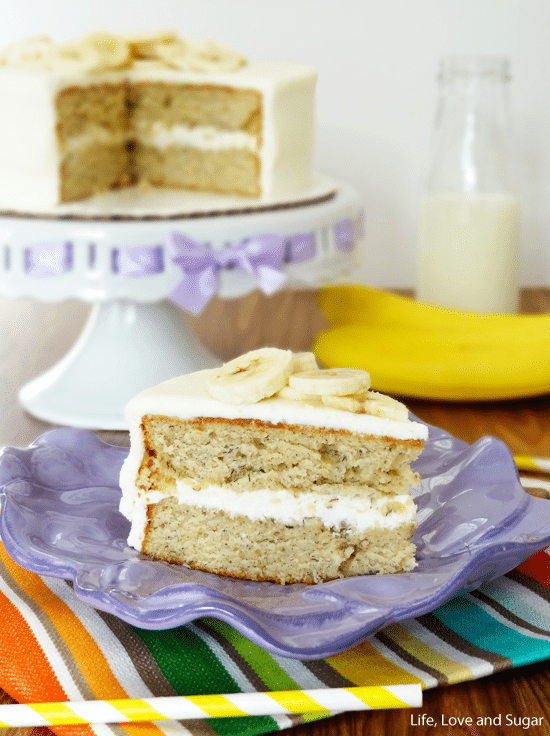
{"x":369,"y":402}
{"x":304,"y":362}
{"x":251,"y":377}
{"x":385,"y":406}
{"x":95,"y":53}
{"x":34,"y":53}
{"x":352,"y":403}
{"x":330,"y":381}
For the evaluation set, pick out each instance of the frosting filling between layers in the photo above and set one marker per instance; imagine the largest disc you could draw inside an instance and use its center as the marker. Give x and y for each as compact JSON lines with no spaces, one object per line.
{"x":359,"y":513}
{"x":204,"y":137}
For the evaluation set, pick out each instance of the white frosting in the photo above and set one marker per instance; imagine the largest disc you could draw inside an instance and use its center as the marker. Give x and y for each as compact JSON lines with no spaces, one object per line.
{"x":93,"y":134}
{"x":187,"y":397}
{"x":204,"y":137}
{"x":29,"y":154}
{"x":359,"y":513}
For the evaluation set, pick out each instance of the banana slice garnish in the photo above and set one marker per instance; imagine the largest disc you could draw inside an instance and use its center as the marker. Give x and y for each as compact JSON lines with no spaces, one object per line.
{"x":385,"y":406}
{"x":144,"y":45}
{"x":97,"y":52}
{"x":353,"y":404}
{"x":304,"y":362}
{"x":330,"y":381}
{"x":369,"y":402}
{"x":198,"y":56}
{"x":261,"y":374}
{"x":33,"y":53}
{"x":251,"y":377}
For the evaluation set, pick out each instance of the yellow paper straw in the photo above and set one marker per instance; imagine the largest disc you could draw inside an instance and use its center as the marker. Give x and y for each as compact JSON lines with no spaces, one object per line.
{"x":179,"y":707}
{"x":532,"y":463}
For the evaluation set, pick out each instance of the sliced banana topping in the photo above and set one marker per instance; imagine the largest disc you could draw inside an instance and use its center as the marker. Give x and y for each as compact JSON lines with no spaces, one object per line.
{"x":385,"y":406}
{"x":369,"y":402}
{"x":101,"y":52}
{"x":30,"y":54}
{"x":144,"y":45}
{"x":270,"y":372}
{"x":251,"y":377}
{"x":330,"y":381}
{"x":351,"y":403}
{"x":97,"y":52}
{"x":287,"y":392}
{"x":304,"y":362}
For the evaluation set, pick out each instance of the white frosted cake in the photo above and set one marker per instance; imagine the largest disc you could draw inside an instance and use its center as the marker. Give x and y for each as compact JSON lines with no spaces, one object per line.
{"x":270,"y":468}
{"x":109,"y":111}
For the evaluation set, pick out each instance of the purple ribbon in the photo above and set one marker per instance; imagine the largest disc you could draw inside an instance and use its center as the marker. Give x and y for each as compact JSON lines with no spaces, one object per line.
{"x":48,"y":259}
{"x":345,"y":235}
{"x":262,"y":257}
{"x":138,"y":260}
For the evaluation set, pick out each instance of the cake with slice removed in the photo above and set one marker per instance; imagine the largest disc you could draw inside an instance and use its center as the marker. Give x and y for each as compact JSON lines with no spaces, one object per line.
{"x":110,"y":111}
{"x":272,"y":469}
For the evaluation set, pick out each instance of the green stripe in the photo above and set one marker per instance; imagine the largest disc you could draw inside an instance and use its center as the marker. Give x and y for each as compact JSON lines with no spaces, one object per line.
{"x":192,"y":668}
{"x":261,"y":662}
{"x":187,"y":662}
{"x":476,"y":626}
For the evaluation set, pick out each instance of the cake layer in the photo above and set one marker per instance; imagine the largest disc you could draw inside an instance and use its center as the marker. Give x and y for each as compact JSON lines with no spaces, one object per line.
{"x":231,"y":171}
{"x":94,"y":168}
{"x":268,"y":550}
{"x":248,"y":454}
{"x":206,"y":104}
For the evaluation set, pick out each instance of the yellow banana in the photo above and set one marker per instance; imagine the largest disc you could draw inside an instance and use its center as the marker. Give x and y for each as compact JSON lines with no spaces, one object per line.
{"x":457,"y":365}
{"x":355,"y":303}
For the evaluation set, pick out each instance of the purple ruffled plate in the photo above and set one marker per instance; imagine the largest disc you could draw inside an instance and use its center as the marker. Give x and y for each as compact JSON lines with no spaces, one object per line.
{"x":60,"y":518}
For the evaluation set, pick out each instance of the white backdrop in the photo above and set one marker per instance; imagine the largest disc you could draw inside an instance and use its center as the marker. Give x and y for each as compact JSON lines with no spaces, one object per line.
{"x":377,"y":62}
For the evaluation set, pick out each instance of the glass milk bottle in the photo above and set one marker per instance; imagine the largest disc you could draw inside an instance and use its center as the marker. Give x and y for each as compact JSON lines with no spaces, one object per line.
{"x":469,"y":230}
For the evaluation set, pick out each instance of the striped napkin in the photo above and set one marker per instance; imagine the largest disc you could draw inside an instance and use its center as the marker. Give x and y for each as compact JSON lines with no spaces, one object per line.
{"x":55,"y":648}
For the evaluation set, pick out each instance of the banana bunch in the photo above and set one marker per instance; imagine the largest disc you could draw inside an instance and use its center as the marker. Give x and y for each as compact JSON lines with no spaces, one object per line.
{"x":421,"y":350}
{"x":271,"y":372}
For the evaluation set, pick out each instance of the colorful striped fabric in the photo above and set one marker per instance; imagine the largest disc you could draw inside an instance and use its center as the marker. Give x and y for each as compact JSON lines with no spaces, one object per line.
{"x":55,"y":648}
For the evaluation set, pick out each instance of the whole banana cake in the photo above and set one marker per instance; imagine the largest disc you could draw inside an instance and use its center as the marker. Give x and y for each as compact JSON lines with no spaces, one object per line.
{"x":272,"y":469}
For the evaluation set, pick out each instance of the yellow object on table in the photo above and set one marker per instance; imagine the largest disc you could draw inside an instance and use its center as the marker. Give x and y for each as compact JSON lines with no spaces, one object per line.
{"x":422,"y":350}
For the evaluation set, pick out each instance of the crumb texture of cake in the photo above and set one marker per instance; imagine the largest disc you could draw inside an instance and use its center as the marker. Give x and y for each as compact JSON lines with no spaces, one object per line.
{"x":250,"y":471}
{"x":108,"y":111}
{"x":306,"y":552}
{"x":253,"y":454}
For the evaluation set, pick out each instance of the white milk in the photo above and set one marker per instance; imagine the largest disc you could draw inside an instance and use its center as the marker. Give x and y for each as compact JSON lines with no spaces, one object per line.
{"x":469,"y":251}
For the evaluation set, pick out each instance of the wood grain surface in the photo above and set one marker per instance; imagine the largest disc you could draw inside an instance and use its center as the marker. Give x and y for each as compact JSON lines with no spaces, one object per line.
{"x":34,"y":336}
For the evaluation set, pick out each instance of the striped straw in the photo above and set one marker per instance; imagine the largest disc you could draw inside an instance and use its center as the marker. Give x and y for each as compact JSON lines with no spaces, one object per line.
{"x":532,"y":463}
{"x":179,"y":707}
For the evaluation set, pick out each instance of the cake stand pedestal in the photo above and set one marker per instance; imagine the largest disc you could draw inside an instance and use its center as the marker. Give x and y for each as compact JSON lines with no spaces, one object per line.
{"x":125,"y":265}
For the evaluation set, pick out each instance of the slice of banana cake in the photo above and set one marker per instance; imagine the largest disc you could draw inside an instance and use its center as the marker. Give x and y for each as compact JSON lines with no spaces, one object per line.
{"x":271,"y":468}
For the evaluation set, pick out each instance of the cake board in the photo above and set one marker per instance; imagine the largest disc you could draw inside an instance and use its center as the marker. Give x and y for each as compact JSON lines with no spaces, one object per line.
{"x":138,"y":257}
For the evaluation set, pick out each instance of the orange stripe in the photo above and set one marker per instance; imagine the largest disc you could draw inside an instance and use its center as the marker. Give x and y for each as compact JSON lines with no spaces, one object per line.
{"x":365,"y":665}
{"x":537,"y":567}
{"x":21,"y":653}
{"x":89,"y":657}
{"x":25,"y":652}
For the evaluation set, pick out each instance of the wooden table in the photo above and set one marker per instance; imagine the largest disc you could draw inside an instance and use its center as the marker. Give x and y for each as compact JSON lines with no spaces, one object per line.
{"x":34,"y":336}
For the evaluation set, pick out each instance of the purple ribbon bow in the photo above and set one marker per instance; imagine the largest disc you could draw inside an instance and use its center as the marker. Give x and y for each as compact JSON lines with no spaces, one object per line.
{"x":262,"y":257}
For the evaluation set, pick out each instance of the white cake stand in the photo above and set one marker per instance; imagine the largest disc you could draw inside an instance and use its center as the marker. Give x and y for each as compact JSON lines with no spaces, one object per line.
{"x":113,"y":252}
